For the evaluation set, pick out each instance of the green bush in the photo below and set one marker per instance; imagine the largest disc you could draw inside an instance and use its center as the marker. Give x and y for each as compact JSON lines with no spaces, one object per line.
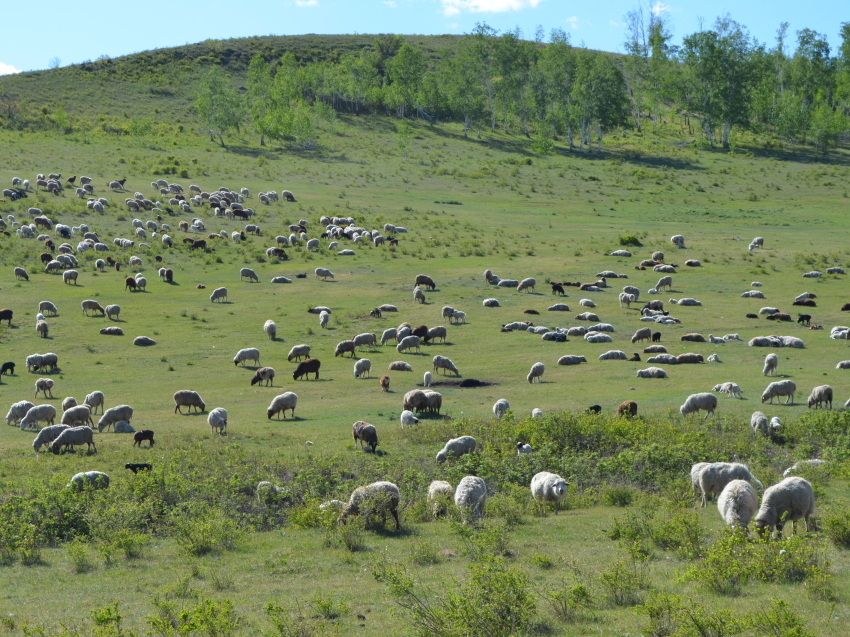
{"x":835,"y":523}
{"x":571,"y":602}
{"x":629,"y":240}
{"x":618,"y":496}
{"x":623,"y":580}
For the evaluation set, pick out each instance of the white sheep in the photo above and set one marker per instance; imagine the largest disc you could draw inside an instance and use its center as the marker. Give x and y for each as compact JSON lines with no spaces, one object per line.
{"x":456,"y":447}
{"x":820,"y":395}
{"x":361,"y":367}
{"x":526,"y":284}
{"x":446,"y":364}
{"x":69,"y":402}
{"x":45,"y":386}
{"x":759,"y":424}
{"x":491,"y":303}
{"x":323,"y":319}
{"x":731,"y":337}
{"x":247,"y":354}
{"x":771,"y":362}
{"x":797,"y":466}
{"x":627,"y":299}
{"x":699,"y":402}
{"x":549,"y":487}
{"x":409,"y":342}
{"x":217,"y":420}
{"x":695,"y":471}
{"x":536,"y":413}
{"x":536,"y":372}
{"x":37,"y":414}
{"x":790,"y":500}
{"x":408,"y":419}
{"x":219,"y":294}
{"x":78,"y":414}
{"x":324,"y":273}
{"x":48,"y":308}
{"x":114,"y":415}
{"x":95,"y":400}
{"x":571,"y":360}
{"x":714,"y":477}
{"x":500,"y":408}
{"x":439,"y":493}
{"x":651,"y":372}
{"x":612,"y":355}
{"x":780,"y":388}
{"x":426,"y":379}
{"x":249,"y":274}
{"x":89,"y":480}
{"x":298,"y":352}
{"x":270,"y":328}
{"x":471,"y":496}
{"x":383,"y":497}
{"x":47,"y":435}
{"x":732,"y":389}
{"x":716,"y":340}
{"x":738,"y":504}
{"x":282,"y":402}
{"x":17,"y":411}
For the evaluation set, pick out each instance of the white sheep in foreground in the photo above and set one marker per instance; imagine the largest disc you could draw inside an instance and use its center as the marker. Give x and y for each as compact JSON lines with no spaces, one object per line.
{"x":383,"y":497}
{"x":536,"y":372}
{"x":780,"y":388}
{"x":247,"y":354}
{"x":732,"y":389}
{"x":217,"y":420}
{"x":362,"y":367}
{"x":714,"y":477}
{"x":408,"y":419}
{"x":471,"y":496}
{"x":282,"y":402}
{"x":771,"y":362}
{"x":797,"y":466}
{"x":74,"y":437}
{"x":738,"y":504}
{"x":90,"y":480}
{"x":456,"y":447}
{"x":440,"y":492}
{"x":790,"y":500}
{"x":549,"y":487}
{"x":699,"y":402}
{"x":500,"y":408}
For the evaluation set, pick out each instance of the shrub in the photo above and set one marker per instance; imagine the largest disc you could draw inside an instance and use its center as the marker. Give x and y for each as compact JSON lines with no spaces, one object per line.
{"x":835,"y":522}
{"x":779,"y":621}
{"x":204,"y":530}
{"x":78,"y":554}
{"x":629,"y":240}
{"x":619,"y":496}
{"x":571,"y":603}
{"x":623,"y":580}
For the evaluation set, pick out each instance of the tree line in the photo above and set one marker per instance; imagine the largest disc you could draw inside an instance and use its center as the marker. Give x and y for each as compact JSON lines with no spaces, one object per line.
{"x":718,"y":81}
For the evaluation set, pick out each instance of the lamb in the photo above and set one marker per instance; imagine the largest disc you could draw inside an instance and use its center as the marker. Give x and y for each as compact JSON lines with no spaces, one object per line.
{"x":738,"y":504}
{"x":382,"y":498}
{"x":549,"y":487}
{"x":699,"y":402}
{"x":790,"y":500}
{"x":72,"y":437}
{"x":471,"y":496}
{"x":219,"y":294}
{"x":298,"y":352}
{"x":399,"y":366}
{"x":190,"y":399}
{"x":307,"y":367}
{"x":439,"y":493}
{"x":361,"y":367}
{"x":441,"y":362}
{"x":457,"y":447}
{"x":281,"y":403}
{"x":571,"y":360}
{"x":45,"y":386}
{"x":264,"y":374}
{"x":364,"y":432}
{"x":247,"y":354}
{"x":408,"y":419}
{"x":113,"y":415}
{"x":217,"y":420}
{"x":270,"y":328}
{"x":385,"y":383}
{"x":408,"y":342}
{"x":821,"y":394}
{"x":729,"y":388}
{"x":92,"y":306}
{"x":47,"y":435}
{"x":94,"y":400}
{"x":17,"y":411}
{"x":780,"y":388}
{"x":651,"y":372}
{"x":526,"y":284}
{"x":142,"y":435}
{"x":89,"y":480}
{"x":324,"y":273}
{"x":714,"y":477}
{"x":79,"y":414}
{"x":323,"y":320}
{"x":628,"y":299}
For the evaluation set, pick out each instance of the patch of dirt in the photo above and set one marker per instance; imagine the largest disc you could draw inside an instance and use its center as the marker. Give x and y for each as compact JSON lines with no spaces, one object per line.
{"x":466,"y":382}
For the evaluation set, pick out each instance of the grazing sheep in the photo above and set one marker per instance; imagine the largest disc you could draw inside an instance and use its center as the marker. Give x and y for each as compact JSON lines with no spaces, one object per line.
{"x":732,"y":389}
{"x":385,"y":383}
{"x":571,"y":360}
{"x":42,"y":329}
{"x":217,"y":420}
{"x":407,"y":419}
{"x":738,"y":504}
{"x":399,"y":366}
{"x":655,"y":349}
{"x":526,"y":284}
{"x":643,"y":334}
{"x":298,"y":352}
{"x":219,"y":294}
{"x":36,"y":414}
{"x":714,"y":477}
{"x":422,"y":279}
{"x":249,"y":274}
{"x":501,"y":407}
{"x":264,"y":374}
{"x":438,"y":332}
{"x":441,"y":362}
{"x":408,"y":342}
{"x":780,"y":388}
{"x":324,"y":273}
{"x":114,"y":415}
{"x":549,"y":487}
{"x":47,"y":435}
{"x":281,"y":403}
{"x":439,"y":493}
{"x":627,"y":409}
{"x":699,"y":402}
{"x":536,"y":413}
{"x":142,"y":435}
{"x":820,"y":395}
{"x":361,"y":367}
{"x":797,"y":466}
{"x":69,"y":402}
{"x":78,"y":414}
{"x":17,"y":411}
{"x":47,"y":308}
{"x":376,"y":498}
{"x":418,"y":295}
{"x":760,"y":425}
{"x":92,"y":306}
{"x":112,"y":311}
{"x":94,"y":400}
{"x":72,"y":437}
{"x":364,"y":432}
{"x":365,"y":339}
{"x":651,"y":372}
{"x":270,"y":328}
{"x":190,"y":399}
{"x":790,"y":500}
{"x":471,"y":496}
{"x":307,"y":367}
{"x":456,"y":447}
{"x":89,"y":480}
{"x":247,"y":354}
{"x":389,"y":334}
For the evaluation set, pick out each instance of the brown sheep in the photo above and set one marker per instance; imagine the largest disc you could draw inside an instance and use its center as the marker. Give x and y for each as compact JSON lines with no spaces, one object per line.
{"x":694,"y":338}
{"x":169,"y":275}
{"x":643,"y":334}
{"x":307,"y":367}
{"x":531,"y":312}
{"x":779,"y":316}
{"x":627,"y":409}
{"x":129,"y":282}
{"x":683,"y":359}
{"x":421,"y":331}
{"x":805,"y":303}
{"x":385,"y":383}
{"x":200,"y":243}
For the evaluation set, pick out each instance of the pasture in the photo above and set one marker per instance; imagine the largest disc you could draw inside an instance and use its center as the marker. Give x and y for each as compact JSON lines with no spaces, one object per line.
{"x":468,"y":206}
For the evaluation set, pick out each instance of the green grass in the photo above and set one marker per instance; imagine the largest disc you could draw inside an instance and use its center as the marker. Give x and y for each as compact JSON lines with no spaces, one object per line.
{"x":556,"y":218}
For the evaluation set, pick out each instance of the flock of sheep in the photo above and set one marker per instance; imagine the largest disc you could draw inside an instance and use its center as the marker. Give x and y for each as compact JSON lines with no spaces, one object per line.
{"x":791,"y":499}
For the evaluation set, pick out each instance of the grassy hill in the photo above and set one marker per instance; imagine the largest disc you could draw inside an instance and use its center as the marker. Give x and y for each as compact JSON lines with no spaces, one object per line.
{"x":194,"y":535}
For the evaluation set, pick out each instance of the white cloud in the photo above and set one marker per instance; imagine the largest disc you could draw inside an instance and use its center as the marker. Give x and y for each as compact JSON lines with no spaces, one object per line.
{"x":659,"y":7}
{"x":573,"y":22}
{"x":453,"y":7}
{"x":613,"y":23}
{"x":8,"y":69}
{"x":306,"y":3}
{"x":390,"y":4}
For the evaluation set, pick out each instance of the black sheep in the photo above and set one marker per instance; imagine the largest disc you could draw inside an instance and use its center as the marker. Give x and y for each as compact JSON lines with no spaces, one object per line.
{"x":142,"y":435}
{"x":557,"y":288}
{"x":755,"y":316}
{"x":594,"y":409}
{"x":7,"y":367}
{"x":135,"y":467}
{"x":805,"y":319}
{"x":656,"y":337}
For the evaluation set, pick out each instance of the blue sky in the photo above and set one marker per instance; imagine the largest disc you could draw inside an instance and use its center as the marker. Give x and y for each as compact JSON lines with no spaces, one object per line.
{"x":114,"y":29}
